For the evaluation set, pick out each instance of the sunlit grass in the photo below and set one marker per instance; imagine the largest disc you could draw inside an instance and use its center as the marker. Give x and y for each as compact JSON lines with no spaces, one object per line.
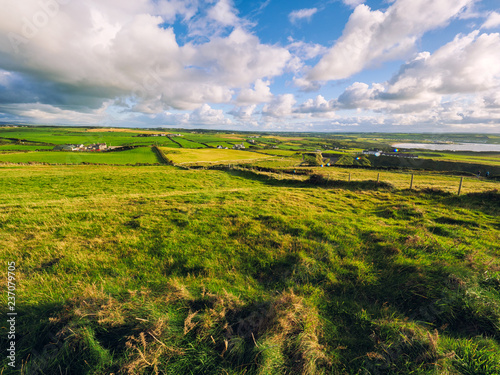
{"x":210,"y":155}
{"x":141,"y":269}
{"x":137,"y":155}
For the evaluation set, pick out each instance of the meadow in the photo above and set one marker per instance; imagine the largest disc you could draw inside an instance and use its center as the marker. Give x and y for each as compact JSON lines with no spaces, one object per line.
{"x":183,"y":156}
{"x":156,"y":269}
{"x":269,"y":266}
{"x":54,"y":136}
{"x":133,"y":156}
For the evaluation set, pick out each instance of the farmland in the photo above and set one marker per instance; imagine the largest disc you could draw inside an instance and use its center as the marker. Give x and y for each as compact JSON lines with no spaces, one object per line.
{"x":137,"y":155}
{"x":209,"y":155}
{"x":271,"y":266}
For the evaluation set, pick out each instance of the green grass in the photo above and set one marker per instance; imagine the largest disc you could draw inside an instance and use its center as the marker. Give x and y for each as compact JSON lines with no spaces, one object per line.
{"x":137,"y":155}
{"x":156,"y":269}
{"x":18,"y":147}
{"x":490,"y":158}
{"x":80,"y":135}
{"x":186,"y":143}
{"x":402,"y":179}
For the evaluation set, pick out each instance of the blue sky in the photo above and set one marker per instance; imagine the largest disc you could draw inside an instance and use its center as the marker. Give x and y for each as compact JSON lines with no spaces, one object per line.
{"x":339,"y":65}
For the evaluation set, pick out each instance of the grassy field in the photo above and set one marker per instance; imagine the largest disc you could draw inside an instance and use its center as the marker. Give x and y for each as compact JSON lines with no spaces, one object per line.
{"x":269,"y":267}
{"x":181,"y":156}
{"x":491,"y":158}
{"x":186,"y":143}
{"x":54,"y":136}
{"x":137,"y":155}
{"x":18,"y":147}
{"x":143,"y":270}
{"x":402,"y":179}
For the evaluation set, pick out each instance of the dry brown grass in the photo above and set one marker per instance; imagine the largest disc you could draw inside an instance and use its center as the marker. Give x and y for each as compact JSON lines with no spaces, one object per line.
{"x":148,"y":351}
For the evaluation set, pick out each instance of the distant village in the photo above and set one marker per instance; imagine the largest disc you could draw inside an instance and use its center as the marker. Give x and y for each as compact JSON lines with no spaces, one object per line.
{"x":80,"y":147}
{"x":396,"y":154}
{"x":158,"y":135}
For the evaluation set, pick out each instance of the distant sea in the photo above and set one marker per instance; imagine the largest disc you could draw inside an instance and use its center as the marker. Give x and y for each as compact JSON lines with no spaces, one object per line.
{"x":478,"y":147}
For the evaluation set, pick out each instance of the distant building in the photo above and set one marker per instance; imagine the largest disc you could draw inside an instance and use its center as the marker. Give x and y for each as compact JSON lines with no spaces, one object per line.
{"x":393,"y":154}
{"x":97,"y":147}
{"x":399,"y":155}
{"x":372,"y":152}
{"x":239,"y":146}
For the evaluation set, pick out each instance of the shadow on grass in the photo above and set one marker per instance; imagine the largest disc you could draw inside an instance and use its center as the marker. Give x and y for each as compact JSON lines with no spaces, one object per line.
{"x":487,"y":202}
{"x":314,"y":180}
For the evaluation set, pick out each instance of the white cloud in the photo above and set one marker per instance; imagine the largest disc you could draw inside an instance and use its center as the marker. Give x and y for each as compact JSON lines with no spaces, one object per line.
{"x":376,"y":36}
{"x":301,"y":14}
{"x":493,"y":21}
{"x":205,"y":115}
{"x":281,"y":106}
{"x":318,"y":107}
{"x":457,"y":84}
{"x":353,"y":3}
{"x":260,"y":94}
{"x":46,"y":113}
{"x":468,"y":64}
{"x":170,"y":9}
{"x":244,"y":113}
{"x":224,"y":13}
{"x":305,"y":51}
{"x":101,"y":50}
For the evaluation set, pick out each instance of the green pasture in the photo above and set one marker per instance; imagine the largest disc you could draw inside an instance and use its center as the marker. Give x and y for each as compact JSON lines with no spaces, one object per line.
{"x":23,"y":147}
{"x":144,"y":270}
{"x":491,"y":158}
{"x":187,"y":143}
{"x":137,"y":155}
{"x":402,"y":179}
{"x":76,"y":136}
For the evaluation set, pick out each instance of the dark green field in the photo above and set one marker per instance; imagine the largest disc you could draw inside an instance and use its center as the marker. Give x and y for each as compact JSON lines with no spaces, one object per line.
{"x":159,"y":269}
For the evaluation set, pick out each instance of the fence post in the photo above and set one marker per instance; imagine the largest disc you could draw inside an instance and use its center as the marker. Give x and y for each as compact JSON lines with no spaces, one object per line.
{"x":378,"y":177}
{"x":460,"y":186}
{"x":411,"y":182}
{"x":349,"y":180}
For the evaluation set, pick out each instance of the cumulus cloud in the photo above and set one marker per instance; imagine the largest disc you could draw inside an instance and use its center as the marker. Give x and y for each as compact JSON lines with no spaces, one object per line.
{"x":207,"y":115}
{"x":281,"y":106}
{"x":46,"y":113}
{"x":244,"y":112}
{"x":373,"y":36}
{"x":353,"y":3}
{"x":493,"y":21}
{"x":261,"y":93}
{"x":318,"y":107}
{"x":457,"y":84}
{"x":302,"y":14}
{"x":470,"y":63}
{"x":102,"y":50}
{"x":305,"y":51}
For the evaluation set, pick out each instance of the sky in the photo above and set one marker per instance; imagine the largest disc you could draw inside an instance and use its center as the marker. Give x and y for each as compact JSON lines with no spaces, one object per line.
{"x":262,"y":65}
